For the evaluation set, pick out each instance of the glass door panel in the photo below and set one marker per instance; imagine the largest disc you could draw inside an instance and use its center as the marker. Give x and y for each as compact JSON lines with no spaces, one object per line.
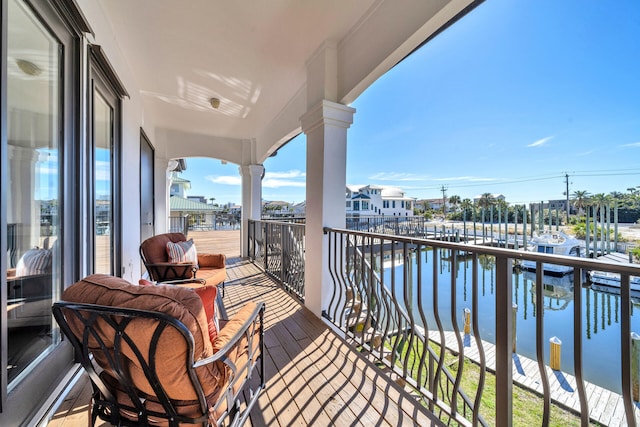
{"x":103,"y":170}
{"x":34,"y":123}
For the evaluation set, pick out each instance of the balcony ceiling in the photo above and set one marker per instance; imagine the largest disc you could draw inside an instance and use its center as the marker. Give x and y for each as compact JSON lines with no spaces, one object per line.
{"x":253,"y":55}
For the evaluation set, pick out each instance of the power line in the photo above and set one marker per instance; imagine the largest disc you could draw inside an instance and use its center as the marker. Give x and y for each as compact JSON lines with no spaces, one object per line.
{"x":532,"y":179}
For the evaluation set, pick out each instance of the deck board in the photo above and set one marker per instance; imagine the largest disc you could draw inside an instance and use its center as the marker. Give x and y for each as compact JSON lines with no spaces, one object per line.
{"x":312,"y":376}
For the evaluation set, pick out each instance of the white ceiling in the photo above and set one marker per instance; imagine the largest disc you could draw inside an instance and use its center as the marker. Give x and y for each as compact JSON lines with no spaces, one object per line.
{"x":250,"y":54}
{"x":253,"y":55}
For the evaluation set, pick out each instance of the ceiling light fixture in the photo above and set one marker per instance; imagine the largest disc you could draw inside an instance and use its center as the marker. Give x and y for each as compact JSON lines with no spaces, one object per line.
{"x":28,"y":67}
{"x":215,"y":102}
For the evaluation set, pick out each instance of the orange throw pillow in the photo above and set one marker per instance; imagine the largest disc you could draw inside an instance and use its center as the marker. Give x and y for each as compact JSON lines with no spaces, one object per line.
{"x":208,"y":296}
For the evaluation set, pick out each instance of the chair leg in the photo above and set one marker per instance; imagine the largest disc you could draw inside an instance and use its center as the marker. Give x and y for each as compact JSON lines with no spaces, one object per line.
{"x":220,"y":307}
{"x":93,"y":415}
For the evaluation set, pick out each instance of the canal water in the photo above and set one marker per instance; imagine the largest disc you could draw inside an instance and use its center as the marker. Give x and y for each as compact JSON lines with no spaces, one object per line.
{"x":600,"y":312}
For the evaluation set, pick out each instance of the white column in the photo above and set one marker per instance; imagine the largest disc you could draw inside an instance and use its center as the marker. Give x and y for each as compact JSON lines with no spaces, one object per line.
{"x":325,"y":126}
{"x":22,"y":206}
{"x":251,"y":200}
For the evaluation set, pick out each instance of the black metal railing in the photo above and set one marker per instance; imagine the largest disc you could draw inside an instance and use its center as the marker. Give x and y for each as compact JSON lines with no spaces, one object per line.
{"x":403,"y":313}
{"x":278,"y":247}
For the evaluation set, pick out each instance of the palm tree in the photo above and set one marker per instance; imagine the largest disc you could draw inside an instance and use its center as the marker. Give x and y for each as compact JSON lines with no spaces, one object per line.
{"x":580,"y":200}
{"x":466,"y":205}
{"x":454,"y":201}
{"x":486,"y":200}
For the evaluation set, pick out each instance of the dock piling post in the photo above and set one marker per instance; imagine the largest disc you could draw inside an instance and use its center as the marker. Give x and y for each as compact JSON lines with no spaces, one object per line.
{"x":467,"y":321}
{"x":556,"y":348}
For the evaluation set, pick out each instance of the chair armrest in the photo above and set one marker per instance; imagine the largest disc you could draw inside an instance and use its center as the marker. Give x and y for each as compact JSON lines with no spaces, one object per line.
{"x":212,"y":260}
{"x":240,"y":348}
{"x":235,"y":329}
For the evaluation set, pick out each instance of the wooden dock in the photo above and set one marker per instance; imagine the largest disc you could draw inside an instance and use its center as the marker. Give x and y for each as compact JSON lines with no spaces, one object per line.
{"x":615,"y":257}
{"x":605,"y":406}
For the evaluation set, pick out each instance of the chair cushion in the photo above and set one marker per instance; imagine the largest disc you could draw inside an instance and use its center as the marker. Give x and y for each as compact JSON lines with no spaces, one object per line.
{"x":208,"y":296}
{"x":212,"y":276}
{"x":211,"y":260}
{"x":178,"y":302}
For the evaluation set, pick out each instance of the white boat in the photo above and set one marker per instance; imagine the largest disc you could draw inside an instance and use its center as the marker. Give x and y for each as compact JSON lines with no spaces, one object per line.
{"x":613,"y":279}
{"x":557,"y":243}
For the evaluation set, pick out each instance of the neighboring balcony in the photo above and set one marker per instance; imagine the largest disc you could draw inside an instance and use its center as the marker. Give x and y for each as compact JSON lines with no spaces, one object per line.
{"x":397,"y":347}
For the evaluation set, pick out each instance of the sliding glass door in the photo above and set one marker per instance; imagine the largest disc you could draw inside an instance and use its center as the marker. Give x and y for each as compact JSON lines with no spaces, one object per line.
{"x":104,"y":126}
{"x":34,"y":124}
{"x":39,"y":160}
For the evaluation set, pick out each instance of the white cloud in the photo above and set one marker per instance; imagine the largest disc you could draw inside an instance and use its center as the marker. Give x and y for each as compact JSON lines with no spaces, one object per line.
{"x":292,"y":178}
{"x":398,"y":176}
{"x":540,"y":142}
{"x":225,"y":179}
{"x":277,"y":183}
{"x":633,"y":144}
{"x":586,"y":153}
{"x":287,"y":174}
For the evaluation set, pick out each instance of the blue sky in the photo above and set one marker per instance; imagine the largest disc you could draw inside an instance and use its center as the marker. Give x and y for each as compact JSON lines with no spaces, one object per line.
{"x":508,"y":100}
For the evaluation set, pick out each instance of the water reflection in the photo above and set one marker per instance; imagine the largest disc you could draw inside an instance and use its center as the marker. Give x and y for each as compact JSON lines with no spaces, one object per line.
{"x":600,"y":311}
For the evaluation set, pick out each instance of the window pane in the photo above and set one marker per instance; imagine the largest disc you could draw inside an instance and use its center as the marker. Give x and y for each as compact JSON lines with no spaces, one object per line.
{"x":103,"y":143}
{"x":33,"y":190}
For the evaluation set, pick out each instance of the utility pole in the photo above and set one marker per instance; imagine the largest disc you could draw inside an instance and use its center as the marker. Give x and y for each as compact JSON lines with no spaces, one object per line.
{"x":444,"y":199}
{"x":566,"y":181}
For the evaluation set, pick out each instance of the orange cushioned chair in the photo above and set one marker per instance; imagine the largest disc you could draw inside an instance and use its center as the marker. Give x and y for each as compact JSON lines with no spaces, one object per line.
{"x":209,"y":269}
{"x":151,"y":358}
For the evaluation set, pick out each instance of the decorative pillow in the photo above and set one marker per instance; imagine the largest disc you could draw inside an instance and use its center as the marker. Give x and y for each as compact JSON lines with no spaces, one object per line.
{"x":208,"y":296}
{"x":34,"y":262}
{"x":182,"y":252}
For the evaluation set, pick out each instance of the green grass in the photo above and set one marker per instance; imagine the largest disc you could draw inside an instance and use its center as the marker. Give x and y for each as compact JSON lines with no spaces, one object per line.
{"x":527,"y":406}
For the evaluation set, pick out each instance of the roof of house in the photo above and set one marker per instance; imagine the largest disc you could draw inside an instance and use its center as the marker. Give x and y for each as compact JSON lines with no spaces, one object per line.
{"x":361,"y":196}
{"x":186,"y":205}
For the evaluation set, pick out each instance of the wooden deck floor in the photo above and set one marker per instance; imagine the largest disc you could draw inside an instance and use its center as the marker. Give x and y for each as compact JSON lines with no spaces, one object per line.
{"x":313,"y":377}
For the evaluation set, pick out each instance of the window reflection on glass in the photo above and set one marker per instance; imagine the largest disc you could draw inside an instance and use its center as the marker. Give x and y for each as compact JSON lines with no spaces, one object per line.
{"x":33,"y":188}
{"x":103,"y":139}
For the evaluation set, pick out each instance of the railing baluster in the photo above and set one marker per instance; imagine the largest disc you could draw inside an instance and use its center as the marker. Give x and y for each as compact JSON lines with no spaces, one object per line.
{"x":456,"y":330}
{"x":577,"y":345}
{"x":478,"y":339}
{"x":546,"y":396}
{"x":625,"y":347}
{"x":504,"y":359}
{"x":423,"y":317}
{"x":436,"y":315}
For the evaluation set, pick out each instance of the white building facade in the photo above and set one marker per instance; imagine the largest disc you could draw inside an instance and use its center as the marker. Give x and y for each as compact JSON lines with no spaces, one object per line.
{"x":377,"y":200}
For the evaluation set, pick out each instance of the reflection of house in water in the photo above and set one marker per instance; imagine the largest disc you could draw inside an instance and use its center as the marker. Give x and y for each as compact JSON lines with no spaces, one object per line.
{"x":557,"y":291}
{"x":390,"y":259}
